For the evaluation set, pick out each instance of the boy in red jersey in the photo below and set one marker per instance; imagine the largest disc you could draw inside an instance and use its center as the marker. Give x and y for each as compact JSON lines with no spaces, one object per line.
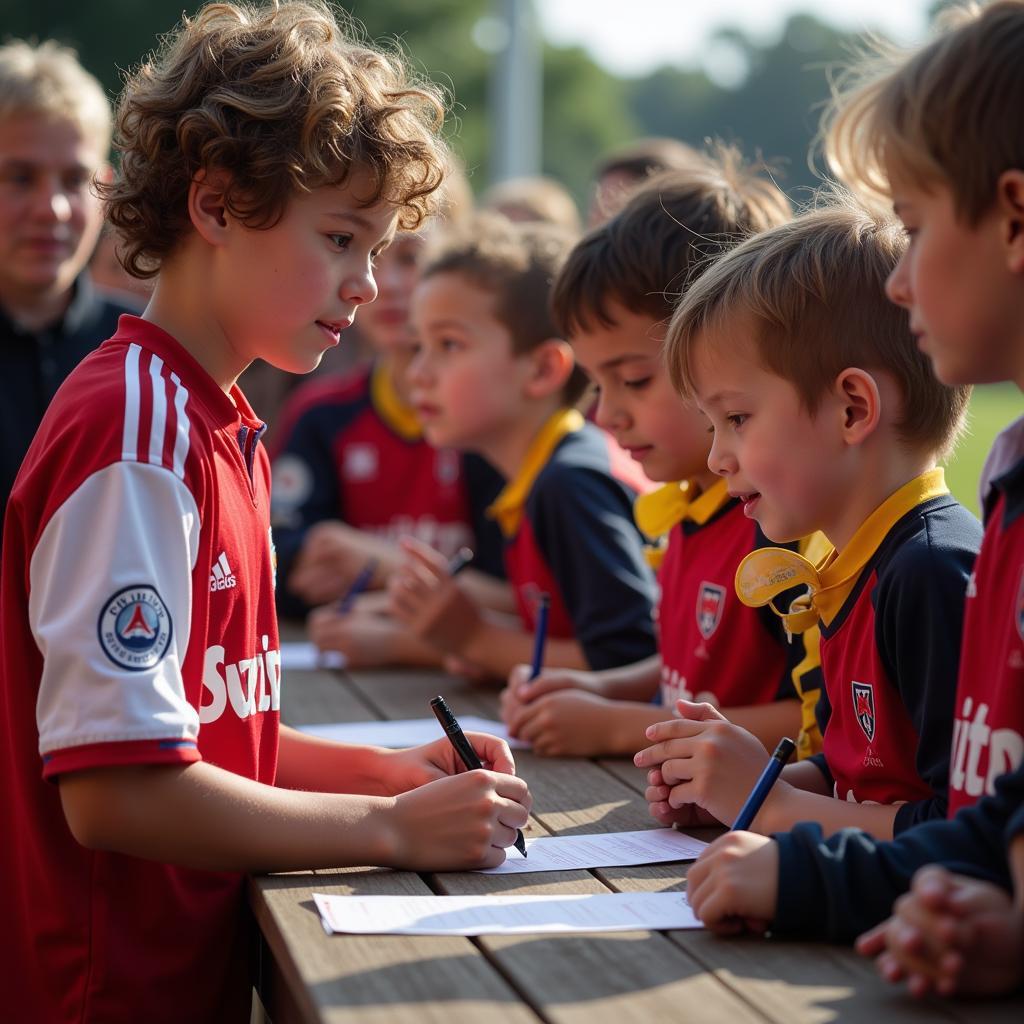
{"x":826,"y":417}
{"x":493,"y":376}
{"x":954,"y":172}
{"x":266,"y":159}
{"x":611,"y":300}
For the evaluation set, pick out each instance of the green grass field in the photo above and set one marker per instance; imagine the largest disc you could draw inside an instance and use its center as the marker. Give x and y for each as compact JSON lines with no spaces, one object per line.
{"x":993,"y":406}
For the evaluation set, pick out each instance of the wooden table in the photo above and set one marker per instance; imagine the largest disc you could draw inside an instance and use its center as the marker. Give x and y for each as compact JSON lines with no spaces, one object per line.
{"x":307,"y":975}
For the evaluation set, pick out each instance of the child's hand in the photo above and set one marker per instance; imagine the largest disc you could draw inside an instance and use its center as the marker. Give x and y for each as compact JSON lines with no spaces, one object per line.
{"x":416,"y":766}
{"x":521,"y":690}
{"x":367,"y":640}
{"x":427,"y":599}
{"x":950,"y":934}
{"x":734,"y":886}
{"x":567,"y":723}
{"x":458,"y":823}
{"x":687,"y":816}
{"x":704,"y":760}
{"x":332,"y":556}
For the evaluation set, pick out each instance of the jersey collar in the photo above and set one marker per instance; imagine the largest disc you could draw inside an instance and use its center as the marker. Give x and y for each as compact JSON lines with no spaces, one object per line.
{"x":401,"y":418}
{"x":507,"y":508}
{"x":768,"y":572}
{"x":658,"y":511}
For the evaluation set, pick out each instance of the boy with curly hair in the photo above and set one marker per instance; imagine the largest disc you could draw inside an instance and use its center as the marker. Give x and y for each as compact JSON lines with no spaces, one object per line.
{"x":266,"y":160}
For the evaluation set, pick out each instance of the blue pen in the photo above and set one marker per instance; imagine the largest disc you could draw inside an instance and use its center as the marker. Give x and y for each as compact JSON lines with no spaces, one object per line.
{"x":540,"y":637}
{"x":359,"y":584}
{"x":748,"y":812}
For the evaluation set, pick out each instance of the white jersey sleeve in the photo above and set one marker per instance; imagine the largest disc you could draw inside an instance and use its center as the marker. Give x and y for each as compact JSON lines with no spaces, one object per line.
{"x":110,"y":607}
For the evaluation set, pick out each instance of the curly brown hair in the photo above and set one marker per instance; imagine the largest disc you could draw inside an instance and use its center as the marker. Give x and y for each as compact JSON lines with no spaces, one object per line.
{"x":283,"y":101}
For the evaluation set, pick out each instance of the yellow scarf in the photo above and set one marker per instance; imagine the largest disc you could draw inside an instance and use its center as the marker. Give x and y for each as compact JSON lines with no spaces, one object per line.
{"x":659,"y":511}
{"x":401,"y":418}
{"x":768,"y":572}
{"x":507,"y":508}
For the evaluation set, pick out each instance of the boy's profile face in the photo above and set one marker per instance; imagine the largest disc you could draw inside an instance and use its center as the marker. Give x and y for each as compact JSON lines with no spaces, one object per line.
{"x":49,"y":217}
{"x":782,"y":462}
{"x":385,"y":321}
{"x":465,"y":380}
{"x":964,"y":303}
{"x":636,"y":402}
{"x":285,"y":293}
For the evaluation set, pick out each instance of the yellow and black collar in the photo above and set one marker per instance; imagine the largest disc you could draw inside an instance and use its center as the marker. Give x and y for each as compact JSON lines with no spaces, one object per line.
{"x":507,"y":508}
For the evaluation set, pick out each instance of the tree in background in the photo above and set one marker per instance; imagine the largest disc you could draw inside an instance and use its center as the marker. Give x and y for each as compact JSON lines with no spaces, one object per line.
{"x":772,"y":109}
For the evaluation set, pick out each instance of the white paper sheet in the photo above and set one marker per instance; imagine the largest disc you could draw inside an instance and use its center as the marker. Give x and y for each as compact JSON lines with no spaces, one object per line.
{"x":300,"y":655}
{"x":604,"y":850}
{"x":407,"y":732}
{"x":505,"y":915}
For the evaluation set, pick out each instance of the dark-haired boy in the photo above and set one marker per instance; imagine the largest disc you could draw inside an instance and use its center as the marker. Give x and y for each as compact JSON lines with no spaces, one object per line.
{"x":612,"y":300}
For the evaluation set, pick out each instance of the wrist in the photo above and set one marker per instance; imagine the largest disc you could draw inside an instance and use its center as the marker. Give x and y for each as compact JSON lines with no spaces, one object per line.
{"x":383,"y":830}
{"x":776,"y":814}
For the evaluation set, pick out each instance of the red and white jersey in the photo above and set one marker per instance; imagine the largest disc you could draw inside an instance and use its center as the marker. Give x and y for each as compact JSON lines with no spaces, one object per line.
{"x":137,"y":627}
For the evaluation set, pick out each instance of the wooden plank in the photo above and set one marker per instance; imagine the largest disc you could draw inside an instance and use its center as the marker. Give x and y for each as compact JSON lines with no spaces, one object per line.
{"x":372,"y":978}
{"x":794,"y":981}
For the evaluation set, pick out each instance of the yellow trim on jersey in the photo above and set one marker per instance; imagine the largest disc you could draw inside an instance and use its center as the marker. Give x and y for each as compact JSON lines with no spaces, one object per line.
{"x":657,"y":512}
{"x":401,"y":418}
{"x":507,"y":508}
{"x":766,"y":573}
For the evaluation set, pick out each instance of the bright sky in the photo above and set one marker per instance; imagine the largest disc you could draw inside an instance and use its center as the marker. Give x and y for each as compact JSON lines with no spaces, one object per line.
{"x":634,"y":36}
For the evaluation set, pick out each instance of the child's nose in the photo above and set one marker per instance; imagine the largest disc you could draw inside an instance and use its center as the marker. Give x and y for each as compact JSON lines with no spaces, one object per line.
{"x":897,"y":284}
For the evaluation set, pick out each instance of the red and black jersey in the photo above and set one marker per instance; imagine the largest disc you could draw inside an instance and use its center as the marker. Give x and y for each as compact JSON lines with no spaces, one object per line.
{"x":889,"y":660}
{"x":840,"y":886}
{"x":713,"y":648}
{"x":573,"y":537}
{"x":988,"y":734}
{"x":349,"y":450}
{"x":137,"y":627}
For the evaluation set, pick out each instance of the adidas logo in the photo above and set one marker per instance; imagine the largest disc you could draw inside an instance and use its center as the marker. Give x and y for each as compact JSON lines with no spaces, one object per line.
{"x":221,"y":576}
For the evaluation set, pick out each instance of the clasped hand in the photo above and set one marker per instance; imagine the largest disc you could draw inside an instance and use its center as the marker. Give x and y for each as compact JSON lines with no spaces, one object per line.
{"x":701,"y":767}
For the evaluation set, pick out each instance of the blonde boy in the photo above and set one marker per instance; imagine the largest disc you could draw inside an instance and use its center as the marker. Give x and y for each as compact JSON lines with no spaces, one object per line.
{"x":826,"y":417}
{"x":612,"y":300}
{"x":266,"y":160}
{"x":54,"y":140}
{"x":953,"y":168}
{"x":493,"y":376}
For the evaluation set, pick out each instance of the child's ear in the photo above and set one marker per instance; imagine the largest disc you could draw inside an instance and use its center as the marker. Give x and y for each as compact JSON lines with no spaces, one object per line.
{"x":206,"y":206}
{"x":1010,"y":200}
{"x":553,"y":363}
{"x":860,"y":404}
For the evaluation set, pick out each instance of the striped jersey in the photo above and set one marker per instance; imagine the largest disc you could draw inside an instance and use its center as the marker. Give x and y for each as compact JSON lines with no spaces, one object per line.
{"x":137,"y":627}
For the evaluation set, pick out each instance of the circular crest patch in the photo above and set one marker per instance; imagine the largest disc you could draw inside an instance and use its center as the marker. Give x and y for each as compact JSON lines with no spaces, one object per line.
{"x":135,"y":628}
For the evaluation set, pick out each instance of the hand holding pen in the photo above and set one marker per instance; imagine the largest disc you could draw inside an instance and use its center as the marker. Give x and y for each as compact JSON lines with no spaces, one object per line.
{"x":464,"y":749}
